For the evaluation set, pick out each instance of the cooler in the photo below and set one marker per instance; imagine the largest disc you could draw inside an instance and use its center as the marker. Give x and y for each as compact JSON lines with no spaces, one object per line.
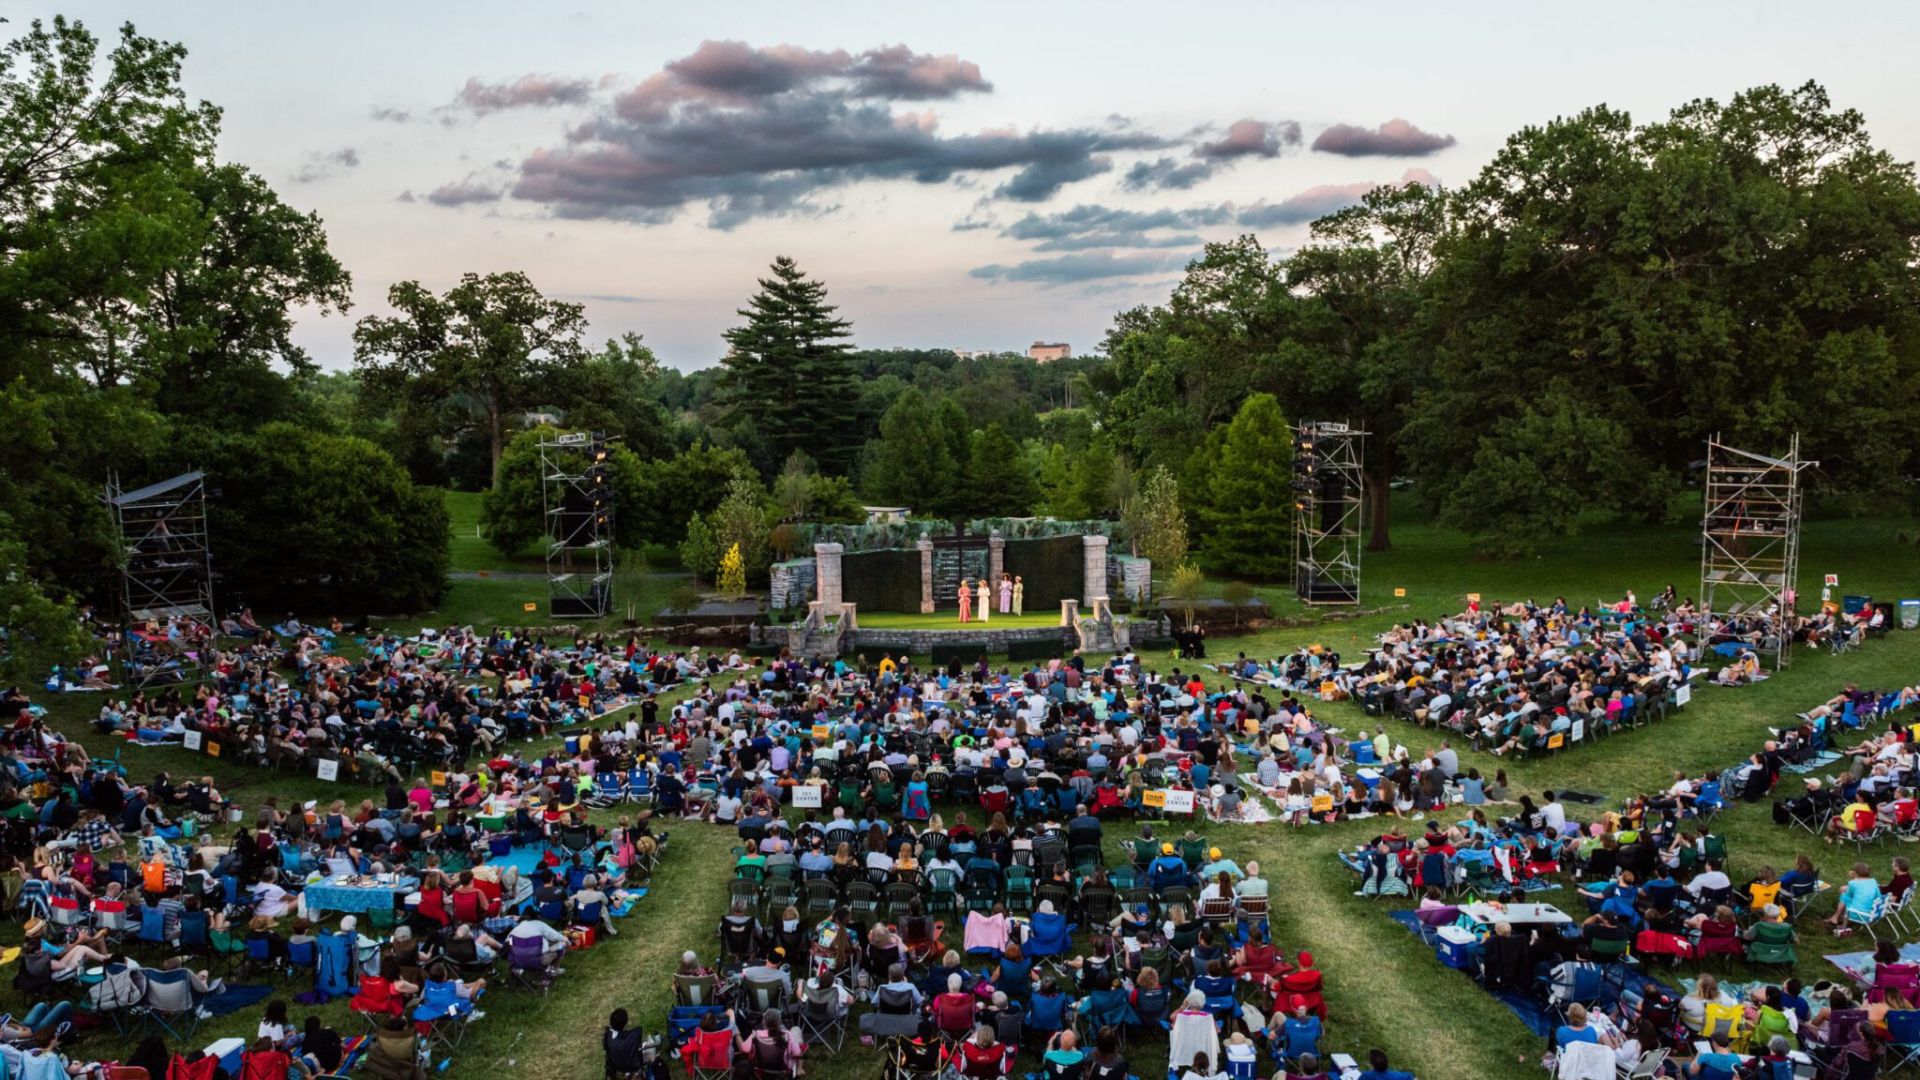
{"x":1454,"y":946}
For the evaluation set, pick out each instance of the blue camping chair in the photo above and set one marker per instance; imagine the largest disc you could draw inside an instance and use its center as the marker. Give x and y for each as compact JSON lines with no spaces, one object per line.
{"x":1051,"y":934}
{"x":334,"y":975}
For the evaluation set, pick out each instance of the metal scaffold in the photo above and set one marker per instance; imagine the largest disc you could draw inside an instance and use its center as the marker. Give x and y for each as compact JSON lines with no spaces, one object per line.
{"x":1328,"y":511}
{"x":576,"y":488}
{"x":1750,"y":555}
{"x":166,"y":578}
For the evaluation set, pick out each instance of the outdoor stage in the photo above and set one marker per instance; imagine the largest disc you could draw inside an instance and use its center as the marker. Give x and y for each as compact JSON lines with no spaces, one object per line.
{"x":950,"y":621}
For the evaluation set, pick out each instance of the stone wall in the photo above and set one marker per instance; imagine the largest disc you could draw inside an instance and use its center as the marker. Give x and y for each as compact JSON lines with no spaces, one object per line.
{"x":791,"y":584}
{"x":1130,"y":576}
{"x":921,"y":642}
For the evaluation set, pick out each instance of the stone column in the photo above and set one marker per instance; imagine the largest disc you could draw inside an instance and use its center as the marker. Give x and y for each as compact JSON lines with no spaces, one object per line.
{"x":826,"y":578}
{"x":1069,"y":611}
{"x":1093,"y":549}
{"x":996,"y":565}
{"x":926,"y":574}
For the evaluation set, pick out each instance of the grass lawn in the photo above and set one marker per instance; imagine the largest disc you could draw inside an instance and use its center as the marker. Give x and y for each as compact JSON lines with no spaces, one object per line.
{"x":1383,"y":987}
{"x":950,"y":620}
{"x":468,"y":546}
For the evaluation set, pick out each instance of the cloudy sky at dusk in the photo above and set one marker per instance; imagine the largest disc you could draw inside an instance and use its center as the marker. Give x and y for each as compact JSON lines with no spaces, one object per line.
{"x":973,"y":176}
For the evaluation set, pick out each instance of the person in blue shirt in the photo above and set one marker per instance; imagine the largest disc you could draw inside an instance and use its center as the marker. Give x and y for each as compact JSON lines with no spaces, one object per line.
{"x":1379,"y":1069}
{"x":1576,"y":1029}
{"x":1718,"y":1063}
{"x":1299,"y":1035}
{"x":1167,"y":871}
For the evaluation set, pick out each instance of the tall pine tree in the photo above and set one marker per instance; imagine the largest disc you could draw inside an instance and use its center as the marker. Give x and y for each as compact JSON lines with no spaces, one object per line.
{"x":788,"y":373}
{"x":1248,"y":509}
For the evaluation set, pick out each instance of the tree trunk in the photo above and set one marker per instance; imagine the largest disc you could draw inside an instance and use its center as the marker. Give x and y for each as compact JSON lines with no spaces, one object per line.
{"x":1379,"y":506}
{"x":498,"y":445}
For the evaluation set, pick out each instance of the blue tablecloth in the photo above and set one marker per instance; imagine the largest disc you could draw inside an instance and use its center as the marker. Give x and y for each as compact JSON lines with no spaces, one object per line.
{"x":329,"y":895}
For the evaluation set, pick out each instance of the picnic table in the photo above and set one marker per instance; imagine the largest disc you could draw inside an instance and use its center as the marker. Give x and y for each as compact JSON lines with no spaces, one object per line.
{"x":1517,"y":915}
{"x":355,"y":894}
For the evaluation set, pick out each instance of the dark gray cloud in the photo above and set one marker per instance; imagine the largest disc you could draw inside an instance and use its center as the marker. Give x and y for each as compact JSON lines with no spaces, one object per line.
{"x":1395,"y":138}
{"x":749,"y":132}
{"x":1242,"y":139}
{"x":1086,"y":227}
{"x":1251,"y":138}
{"x":1085,"y":266}
{"x":525,"y":92}
{"x":1165,"y":174}
{"x":322,"y":164}
{"x":463,"y":192}
{"x":390,"y":114}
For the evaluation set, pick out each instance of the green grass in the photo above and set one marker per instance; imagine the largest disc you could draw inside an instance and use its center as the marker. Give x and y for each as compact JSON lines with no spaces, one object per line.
{"x":950,"y":620}
{"x":468,"y":547}
{"x":1384,"y":988}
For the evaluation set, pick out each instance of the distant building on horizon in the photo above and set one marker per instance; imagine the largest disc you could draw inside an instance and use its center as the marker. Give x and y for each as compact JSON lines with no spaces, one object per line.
{"x":1044,"y":351}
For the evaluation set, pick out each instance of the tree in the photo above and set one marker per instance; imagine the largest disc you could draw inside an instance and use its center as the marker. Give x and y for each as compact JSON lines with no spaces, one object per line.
{"x":489,"y":349}
{"x":996,"y":483}
{"x":690,"y":483}
{"x":910,"y":464}
{"x":1185,"y":586}
{"x":1156,"y":521}
{"x":1360,"y":345}
{"x":1743,"y":268}
{"x":733,"y":574}
{"x":698,"y":551}
{"x":1249,"y":493}
{"x":787,"y":371}
{"x":1236,"y":593}
{"x":37,"y":631}
{"x":514,"y":509}
{"x":740,"y":522}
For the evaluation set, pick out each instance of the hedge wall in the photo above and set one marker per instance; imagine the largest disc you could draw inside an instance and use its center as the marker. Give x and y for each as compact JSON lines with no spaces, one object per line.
{"x":881,"y":580}
{"x":1051,"y":570}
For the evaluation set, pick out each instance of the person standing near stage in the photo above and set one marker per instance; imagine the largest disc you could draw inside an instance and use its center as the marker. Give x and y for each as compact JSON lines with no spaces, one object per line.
{"x":1006,"y":594}
{"x":966,"y":601}
{"x":1019,"y":596}
{"x":986,"y":601}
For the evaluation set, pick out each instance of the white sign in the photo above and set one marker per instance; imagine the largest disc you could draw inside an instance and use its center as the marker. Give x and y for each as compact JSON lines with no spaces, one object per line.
{"x":573,"y":438}
{"x":328,"y":769}
{"x":1179,"y":802}
{"x":806,"y":796}
{"x":1833,"y":579}
{"x":192,"y":740}
{"x":1682,"y":694}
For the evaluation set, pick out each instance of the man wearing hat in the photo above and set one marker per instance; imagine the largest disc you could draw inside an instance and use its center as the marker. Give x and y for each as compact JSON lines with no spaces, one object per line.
{"x":1217,"y":864}
{"x":1167,"y":870}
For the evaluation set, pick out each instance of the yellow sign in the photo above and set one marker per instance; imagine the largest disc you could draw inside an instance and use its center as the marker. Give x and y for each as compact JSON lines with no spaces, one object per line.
{"x":213,"y":749}
{"x":1399,"y":592}
{"x":822,"y":733}
{"x":439,"y":778}
{"x":1473,"y":597}
{"x":1155,"y":799}
{"x":529,"y":607}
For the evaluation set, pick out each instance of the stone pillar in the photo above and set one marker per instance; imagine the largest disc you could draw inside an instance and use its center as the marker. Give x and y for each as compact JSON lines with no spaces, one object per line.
{"x":849,"y":616}
{"x":996,"y":565}
{"x":1093,"y":549}
{"x":826,"y":577}
{"x":926,"y":574}
{"x":1069,"y":611}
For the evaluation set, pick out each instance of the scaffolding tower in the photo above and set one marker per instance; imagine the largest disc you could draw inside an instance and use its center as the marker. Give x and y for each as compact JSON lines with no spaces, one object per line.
{"x":1750,"y":555}
{"x":166,"y":578}
{"x":1328,"y":510}
{"x":576,"y":488}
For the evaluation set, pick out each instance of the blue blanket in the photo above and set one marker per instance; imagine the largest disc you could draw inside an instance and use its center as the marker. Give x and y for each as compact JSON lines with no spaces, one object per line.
{"x":232,"y":998}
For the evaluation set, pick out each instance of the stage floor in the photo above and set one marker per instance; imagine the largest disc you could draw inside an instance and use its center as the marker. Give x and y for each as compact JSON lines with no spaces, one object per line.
{"x":950,"y":620}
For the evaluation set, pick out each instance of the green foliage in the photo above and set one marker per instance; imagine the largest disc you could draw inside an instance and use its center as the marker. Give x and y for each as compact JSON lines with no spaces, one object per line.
{"x":699,"y":552}
{"x":1156,"y":521}
{"x":690,"y":483}
{"x":491,"y":348}
{"x":1185,"y":586}
{"x":683,"y":599}
{"x":514,"y":509}
{"x":910,"y":464}
{"x":787,"y":371}
{"x":1248,"y":494}
{"x":326,"y":521}
{"x":37,"y":631}
{"x":612,"y":392}
{"x":996,"y":482}
{"x":740,"y":525}
{"x":1237,"y":593}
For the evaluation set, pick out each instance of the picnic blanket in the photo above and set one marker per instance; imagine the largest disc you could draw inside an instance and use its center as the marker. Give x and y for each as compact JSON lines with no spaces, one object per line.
{"x":1856,"y":964}
{"x":234,"y":997}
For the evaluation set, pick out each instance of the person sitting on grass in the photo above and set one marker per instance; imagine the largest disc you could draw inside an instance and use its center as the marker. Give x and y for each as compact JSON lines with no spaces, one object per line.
{"x":1378,"y":1068}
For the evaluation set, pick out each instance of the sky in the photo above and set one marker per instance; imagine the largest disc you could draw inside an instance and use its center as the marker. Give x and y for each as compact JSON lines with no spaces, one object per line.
{"x":976,"y":176}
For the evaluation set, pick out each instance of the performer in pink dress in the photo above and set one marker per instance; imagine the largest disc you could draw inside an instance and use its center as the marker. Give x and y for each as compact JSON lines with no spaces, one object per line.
{"x":966,"y":602}
{"x":1006,"y":594}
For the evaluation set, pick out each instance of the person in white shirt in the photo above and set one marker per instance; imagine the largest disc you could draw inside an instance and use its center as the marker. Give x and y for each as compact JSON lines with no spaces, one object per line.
{"x":1554,"y":816}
